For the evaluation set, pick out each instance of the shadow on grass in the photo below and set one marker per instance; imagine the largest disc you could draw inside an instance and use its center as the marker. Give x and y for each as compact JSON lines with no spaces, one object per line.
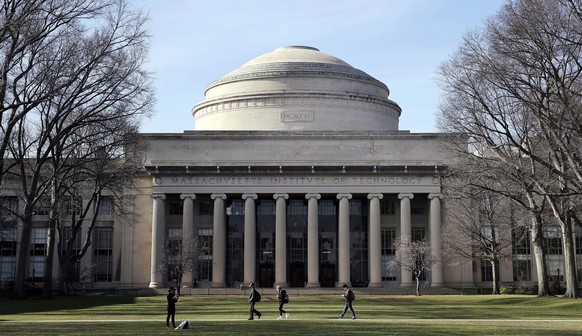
{"x":61,"y":305}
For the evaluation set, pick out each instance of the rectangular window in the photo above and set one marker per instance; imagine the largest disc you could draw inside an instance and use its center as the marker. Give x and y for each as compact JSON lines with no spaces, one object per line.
{"x":266,"y":208}
{"x":105,"y":206}
{"x":205,"y":254}
{"x":521,"y":242}
{"x":553,"y":240}
{"x":206,"y":208}
{"x":486,"y":271}
{"x":326,"y":208}
{"x":176,"y":207}
{"x":522,"y":270}
{"x":417,"y":234}
{"x":103,"y":254}
{"x":388,"y":252}
{"x":38,"y":245}
{"x":8,"y":208}
{"x":387,"y":207}
{"x":7,"y":254}
{"x":417,"y":210}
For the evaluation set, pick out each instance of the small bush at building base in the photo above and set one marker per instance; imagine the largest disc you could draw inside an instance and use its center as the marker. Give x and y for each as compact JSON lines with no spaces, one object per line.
{"x":523,"y":289}
{"x":505,"y":289}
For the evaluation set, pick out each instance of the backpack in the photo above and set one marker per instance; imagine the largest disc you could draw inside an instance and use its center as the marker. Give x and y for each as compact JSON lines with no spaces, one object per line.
{"x":256,"y":296}
{"x":183,"y":325}
{"x":351,"y":295}
{"x":284,"y":296}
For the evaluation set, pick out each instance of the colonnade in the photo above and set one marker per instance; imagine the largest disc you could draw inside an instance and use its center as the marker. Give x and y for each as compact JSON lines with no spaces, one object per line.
{"x":313,"y":263}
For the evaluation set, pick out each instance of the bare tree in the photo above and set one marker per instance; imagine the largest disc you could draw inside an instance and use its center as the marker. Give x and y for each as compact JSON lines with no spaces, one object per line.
{"x":179,"y":256}
{"x":514,"y":89}
{"x":480,"y":227}
{"x":413,"y":256}
{"x":93,"y":91}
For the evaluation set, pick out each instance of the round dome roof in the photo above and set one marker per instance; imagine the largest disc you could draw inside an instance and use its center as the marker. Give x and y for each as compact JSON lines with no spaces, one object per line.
{"x":300,"y":61}
{"x":296,"y":88}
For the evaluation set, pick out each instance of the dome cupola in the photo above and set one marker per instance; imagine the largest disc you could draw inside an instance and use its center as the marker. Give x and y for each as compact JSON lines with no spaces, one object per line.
{"x":296,"y":88}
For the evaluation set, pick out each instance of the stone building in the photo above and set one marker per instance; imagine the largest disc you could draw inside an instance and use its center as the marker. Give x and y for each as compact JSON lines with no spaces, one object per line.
{"x":296,"y":174}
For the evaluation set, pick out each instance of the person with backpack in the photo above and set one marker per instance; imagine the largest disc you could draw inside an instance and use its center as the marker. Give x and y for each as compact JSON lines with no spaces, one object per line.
{"x":349,"y":297}
{"x":254,"y":297}
{"x":283,"y":298}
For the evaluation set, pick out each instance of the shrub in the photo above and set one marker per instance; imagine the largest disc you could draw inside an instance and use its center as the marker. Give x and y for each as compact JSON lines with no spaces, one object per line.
{"x":505,"y":289}
{"x":523,"y":289}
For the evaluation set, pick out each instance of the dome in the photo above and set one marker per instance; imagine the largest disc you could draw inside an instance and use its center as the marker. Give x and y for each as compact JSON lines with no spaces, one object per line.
{"x":296,"y":88}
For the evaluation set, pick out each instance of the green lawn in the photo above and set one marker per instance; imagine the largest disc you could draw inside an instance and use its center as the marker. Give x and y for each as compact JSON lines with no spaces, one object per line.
{"x":310,"y":315}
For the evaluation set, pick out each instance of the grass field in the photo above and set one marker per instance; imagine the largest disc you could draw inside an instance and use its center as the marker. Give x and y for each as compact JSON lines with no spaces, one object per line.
{"x":309,"y":315}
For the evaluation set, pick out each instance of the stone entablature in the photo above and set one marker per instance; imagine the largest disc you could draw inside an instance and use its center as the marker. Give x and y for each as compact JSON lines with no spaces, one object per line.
{"x":279,"y":148}
{"x":296,"y":183}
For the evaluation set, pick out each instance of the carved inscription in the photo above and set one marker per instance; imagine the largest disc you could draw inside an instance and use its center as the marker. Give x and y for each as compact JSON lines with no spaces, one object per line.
{"x":295,"y":116}
{"x":299,"y":180}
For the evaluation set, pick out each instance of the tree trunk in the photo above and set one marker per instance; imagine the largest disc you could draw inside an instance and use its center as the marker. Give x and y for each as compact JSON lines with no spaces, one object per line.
{"x":417,"y":277}
{"x":569,"y":259}
{"x":537,"y":241}
{"x":495,"y":274}
{"x":23,"y":254}
{"x":48,"y":263}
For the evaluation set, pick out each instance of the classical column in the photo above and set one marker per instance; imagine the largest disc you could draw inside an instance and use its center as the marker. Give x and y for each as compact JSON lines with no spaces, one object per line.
{"x":375,"y":241}
{"x":218,"y":241}
{"x":188,"y":238}
{"x":250,"y":239}
{"x":435,"y":239}
{"x":312,"y":240}
{"x":405,"y":235}
{"x":158,"y":230}
{"x":344,"y":240}
{"x":281,"y":240}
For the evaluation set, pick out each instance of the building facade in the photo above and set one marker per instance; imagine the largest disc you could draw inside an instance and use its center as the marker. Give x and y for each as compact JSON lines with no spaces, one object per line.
{"x":296,"y":174}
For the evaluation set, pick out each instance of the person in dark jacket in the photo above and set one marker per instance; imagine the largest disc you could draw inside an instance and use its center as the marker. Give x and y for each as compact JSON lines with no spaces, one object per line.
{"x":349,"y":297}
{"x":253,"y":298}
{"x":172,"y":299}
{"x":283,"y":299}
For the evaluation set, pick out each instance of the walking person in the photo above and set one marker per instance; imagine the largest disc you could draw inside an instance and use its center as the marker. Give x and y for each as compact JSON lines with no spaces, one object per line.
{"x":349,"y":297}
{"x":172,"y":299}
{"x":254,"y":297}
{"x":283,"y":298}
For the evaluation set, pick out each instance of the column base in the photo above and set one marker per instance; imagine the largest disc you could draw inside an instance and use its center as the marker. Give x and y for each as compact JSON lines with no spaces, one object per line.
{"x":282,"y":284}
{"x":374,"y":285}
{"x":218,"y":285}
{"x":153,"y":284}
{"x":437,"y":285}
{"x":312,"y":285}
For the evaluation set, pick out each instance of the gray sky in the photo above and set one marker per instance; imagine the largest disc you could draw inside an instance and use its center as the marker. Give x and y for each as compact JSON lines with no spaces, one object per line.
{"x":399,"y":42}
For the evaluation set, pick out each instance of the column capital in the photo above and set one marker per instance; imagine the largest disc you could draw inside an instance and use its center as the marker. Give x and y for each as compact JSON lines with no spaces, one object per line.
{"x":431,"y":196}
{"x":191,"y":196}
{"x":253,"y":196}
{"x":277,"y":196}
{"x":401,"y":196}
{"x":221,"y":196}
{"x":316,"y":196}
{"x":340,"y":196}
{"x":158,"y":195}
{"x":379,"y":196}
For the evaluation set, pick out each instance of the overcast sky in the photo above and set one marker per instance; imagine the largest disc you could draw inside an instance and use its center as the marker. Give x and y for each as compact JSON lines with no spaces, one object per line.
{"x":399,"y":42}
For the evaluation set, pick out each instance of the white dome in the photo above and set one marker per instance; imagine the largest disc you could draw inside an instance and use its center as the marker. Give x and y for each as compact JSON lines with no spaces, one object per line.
{"x":296,"y":88}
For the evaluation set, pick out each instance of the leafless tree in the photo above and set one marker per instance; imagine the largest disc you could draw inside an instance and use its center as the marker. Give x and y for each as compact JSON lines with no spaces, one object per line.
{"x":479,"y":226}
{"x":180,"y":255}
{"x":77,"y":90}
{"x":413,"y":256}
{"x":513,"y":88}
